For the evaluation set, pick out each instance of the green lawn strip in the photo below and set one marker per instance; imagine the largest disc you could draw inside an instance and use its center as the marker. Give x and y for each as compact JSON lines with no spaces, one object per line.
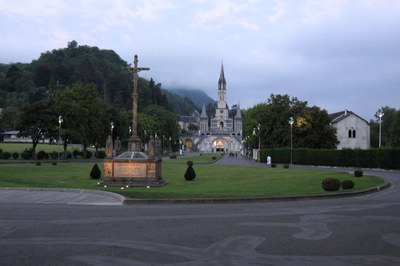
{"x":48,"y":148}
{"x":211,"y":181}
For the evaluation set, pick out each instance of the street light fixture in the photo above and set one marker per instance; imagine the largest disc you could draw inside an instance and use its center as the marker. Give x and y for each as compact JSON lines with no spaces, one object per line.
{"x":112,"y":128}
{"x":60,"y":121}
{"x":291,"y":121}
{"x":259,"y":136}
{"x":380,"y":114}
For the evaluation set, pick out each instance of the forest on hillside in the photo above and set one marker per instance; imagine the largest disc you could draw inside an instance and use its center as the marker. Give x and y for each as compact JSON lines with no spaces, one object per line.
{"x":60,"y":83}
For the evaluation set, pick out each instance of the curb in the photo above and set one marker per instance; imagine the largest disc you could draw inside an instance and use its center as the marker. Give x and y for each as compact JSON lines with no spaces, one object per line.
{"x":88,"y":191}
{"x":130,"y":201}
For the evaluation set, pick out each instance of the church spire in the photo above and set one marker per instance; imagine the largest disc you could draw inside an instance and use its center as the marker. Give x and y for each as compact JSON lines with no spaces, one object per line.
{"x":238,"y":112}
{"x":203,"y":112}
{"x":221,"y":81}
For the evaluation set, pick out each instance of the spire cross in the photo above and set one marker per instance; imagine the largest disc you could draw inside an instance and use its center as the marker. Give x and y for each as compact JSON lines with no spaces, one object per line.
{"x":134,"y":141}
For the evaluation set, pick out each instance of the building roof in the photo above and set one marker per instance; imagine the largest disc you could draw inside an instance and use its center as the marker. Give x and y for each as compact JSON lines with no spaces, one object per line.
{"x":338,"y":116}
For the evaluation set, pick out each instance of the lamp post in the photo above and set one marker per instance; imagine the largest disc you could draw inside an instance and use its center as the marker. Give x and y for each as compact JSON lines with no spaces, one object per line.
{"x":112,"y":128}
{"x":60,"y":121}
{"x":380,"y":114}
{"x":259,"y":136}
{"x":291,"y":121}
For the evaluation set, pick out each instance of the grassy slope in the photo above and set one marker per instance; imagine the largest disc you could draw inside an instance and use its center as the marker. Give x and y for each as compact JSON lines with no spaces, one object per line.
{"x":211,"y":181}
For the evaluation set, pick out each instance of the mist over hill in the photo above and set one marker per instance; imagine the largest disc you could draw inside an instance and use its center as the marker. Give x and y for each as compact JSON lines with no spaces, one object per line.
{"x":198,"y":97}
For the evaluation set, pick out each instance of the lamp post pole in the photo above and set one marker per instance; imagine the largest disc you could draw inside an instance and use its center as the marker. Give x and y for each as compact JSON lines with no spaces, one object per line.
{"x":380,"y":114}
{"x":60,"y":121}
{"x":291,"y":121}
{"x":259,"y":136}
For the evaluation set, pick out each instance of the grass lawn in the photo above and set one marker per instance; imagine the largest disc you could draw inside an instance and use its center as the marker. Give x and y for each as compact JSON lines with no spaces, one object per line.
{"x":211,"y":181}
{"x":20,"y":147}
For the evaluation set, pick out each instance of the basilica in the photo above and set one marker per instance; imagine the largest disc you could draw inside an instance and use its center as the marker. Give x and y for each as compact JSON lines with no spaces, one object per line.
{"x":221,"y":133}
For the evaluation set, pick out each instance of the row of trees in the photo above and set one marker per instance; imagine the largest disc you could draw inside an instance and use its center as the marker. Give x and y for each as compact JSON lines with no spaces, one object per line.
{"x":269,"y":123}
{"x":86,"y":119}
{"x":390,"y":128}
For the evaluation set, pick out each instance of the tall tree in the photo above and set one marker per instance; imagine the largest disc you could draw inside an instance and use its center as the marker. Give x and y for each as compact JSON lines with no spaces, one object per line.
{"x":38,"y":121}
{"x":84,"y":114}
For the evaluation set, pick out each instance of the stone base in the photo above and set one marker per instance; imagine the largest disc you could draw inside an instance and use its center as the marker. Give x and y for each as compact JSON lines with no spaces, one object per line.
{"x":123,"y":182}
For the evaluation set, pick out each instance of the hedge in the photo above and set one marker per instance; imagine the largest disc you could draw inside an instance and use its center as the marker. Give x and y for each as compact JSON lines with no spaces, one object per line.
{"x":385,"y":158}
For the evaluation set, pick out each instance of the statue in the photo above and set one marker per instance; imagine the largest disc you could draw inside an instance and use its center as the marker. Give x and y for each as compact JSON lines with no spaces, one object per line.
{"x":151,"y":150}
{"x":109,"y":147}
{"x":117,"y":146}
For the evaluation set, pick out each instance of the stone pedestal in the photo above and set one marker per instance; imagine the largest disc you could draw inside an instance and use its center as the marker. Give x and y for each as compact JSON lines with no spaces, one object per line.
{"x":135,"y":144}
{"x":133,"y":169}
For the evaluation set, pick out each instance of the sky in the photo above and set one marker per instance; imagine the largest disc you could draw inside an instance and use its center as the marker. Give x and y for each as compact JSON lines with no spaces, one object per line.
{"x":334,"y":54}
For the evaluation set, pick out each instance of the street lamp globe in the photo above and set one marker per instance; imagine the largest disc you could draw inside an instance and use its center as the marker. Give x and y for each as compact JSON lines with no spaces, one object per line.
{"x":380,"y":114}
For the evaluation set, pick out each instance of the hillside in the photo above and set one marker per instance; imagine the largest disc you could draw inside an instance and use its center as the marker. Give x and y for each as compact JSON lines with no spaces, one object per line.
{"x":198,"y":97}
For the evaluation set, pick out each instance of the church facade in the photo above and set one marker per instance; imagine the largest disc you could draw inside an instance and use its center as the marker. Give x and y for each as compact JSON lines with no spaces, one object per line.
{"x":221,"y":133}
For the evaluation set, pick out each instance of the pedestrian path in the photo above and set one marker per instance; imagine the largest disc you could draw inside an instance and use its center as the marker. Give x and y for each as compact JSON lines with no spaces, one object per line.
{"x":62,"y":196}
{"x":239,"y":160}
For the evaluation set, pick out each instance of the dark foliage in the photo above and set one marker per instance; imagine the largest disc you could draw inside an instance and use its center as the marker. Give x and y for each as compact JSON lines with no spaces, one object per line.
{"x":347,"y":184}
{"x":190,"y":174}
{"x":358,"y":173}
{"x":95,"y":173}
{"x":331,"y":184}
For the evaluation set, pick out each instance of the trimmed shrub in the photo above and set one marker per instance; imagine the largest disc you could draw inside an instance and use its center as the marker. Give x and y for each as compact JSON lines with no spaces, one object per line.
{"x":95,"y":173}
{"x":54,"y":163}
{"x":38,"y":163}
{"x":214,"y":158}
{"x":273,"y":165}
{"x":358,"y":173}
{"x":286,"y":166}
{"x":347,"y":184}
{"x":26,"y":154}
{"x":331,"y":184}
{"x":190,"y":174}
{"x":41,"y":155}
{"x":6,"y":155}
{"x":88,"y":154}
{"x":172,"y":156}
{"x":15,"y":155}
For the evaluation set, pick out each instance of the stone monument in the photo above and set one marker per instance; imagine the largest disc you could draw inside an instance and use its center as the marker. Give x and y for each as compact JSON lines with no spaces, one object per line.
{"x":134,"y":167}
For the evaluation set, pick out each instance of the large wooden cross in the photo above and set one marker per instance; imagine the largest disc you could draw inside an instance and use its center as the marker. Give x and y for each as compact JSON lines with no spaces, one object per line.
{"x":134,"y":142}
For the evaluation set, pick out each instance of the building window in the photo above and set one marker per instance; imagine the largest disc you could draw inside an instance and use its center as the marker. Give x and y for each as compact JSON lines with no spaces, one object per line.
{"x":352,"y":133}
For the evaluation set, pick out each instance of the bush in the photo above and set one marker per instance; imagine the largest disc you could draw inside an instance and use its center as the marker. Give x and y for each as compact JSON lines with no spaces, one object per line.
{"x":95,"y":173}
{"x":358,"y":173}
{"x":331,"y":184}
{"x":38,"y":163}
{"x":41,"y":155}
{"x":214,"y":158}
{"x":172,"y":156}
{"x":15,"y":155}
{"x":286,"y":166}
{"x":88,"y":154}
{"x":54,"y":163}
{"x":347,"y":184}
{"x":26,"y":154}
{"x":6,"y":155}
{"x":273,"y":165}
{"x":190,"y":174}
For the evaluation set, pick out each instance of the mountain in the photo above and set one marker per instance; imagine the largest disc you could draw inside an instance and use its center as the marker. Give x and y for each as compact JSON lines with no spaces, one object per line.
{"x":198,"y":97}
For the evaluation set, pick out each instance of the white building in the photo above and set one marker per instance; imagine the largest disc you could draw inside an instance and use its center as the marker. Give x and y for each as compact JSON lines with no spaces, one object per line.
{"x":221,"y":133}
{"x":352,"y":131}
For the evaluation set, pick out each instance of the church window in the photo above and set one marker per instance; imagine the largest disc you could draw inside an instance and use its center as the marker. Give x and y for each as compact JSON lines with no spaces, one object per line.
{"x":349,"y":133}
{"x":354,"y":133}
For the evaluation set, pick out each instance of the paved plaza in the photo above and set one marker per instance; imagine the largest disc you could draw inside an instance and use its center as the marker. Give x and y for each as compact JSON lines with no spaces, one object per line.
{"x":71,"y":228}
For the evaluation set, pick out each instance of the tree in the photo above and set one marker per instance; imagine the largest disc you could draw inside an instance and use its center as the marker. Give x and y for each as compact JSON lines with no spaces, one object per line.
{"x":84,"y":114}
{"x":311,"y":129}
{"x":9,"y":118}
{"x":158,"y":120}
{"x":395,"y":131}
{"x":38,"y":121}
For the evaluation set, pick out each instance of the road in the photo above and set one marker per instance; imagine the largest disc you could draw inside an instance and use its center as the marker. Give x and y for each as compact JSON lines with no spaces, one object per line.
{"x":360,"y":230}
